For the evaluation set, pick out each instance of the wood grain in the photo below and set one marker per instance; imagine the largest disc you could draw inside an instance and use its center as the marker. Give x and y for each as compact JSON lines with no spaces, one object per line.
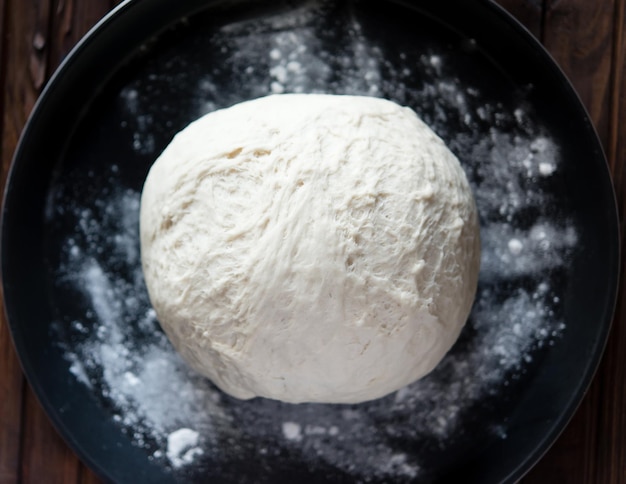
{"x":579,"y":35}
{"x":11,"y":379}
{"x":87,"y":476}
{"x":24,"y":34}
{"x":11,"y":389}
{"x":22,"y":85}
{"x":611,"y":378}
{"x":71,"y":20}
{"x":44,"y":455}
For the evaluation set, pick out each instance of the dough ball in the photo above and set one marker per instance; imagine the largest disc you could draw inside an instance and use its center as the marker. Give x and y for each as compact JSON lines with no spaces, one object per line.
{"x":310,"y":248}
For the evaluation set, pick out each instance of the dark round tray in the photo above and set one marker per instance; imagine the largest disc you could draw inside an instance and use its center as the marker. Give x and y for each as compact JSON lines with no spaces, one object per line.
{"x":152,"y":66}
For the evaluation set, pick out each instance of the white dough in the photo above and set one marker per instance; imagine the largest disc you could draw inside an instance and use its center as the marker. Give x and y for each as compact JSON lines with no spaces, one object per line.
{"x":310,"y":248}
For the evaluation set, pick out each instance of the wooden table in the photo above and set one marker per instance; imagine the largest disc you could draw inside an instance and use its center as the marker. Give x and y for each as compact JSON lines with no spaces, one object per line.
{"x":586,"y":37}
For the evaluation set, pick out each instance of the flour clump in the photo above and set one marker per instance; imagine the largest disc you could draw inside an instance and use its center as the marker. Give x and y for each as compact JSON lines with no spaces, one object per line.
{"x":310,"y":248}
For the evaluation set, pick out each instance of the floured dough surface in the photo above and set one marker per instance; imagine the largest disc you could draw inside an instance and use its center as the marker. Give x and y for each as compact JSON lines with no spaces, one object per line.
{"x":314,"y":248}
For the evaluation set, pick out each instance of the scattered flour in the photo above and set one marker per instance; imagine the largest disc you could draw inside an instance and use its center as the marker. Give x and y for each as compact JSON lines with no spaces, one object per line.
{"x":182,"y":447}
{"x":117,"y":350}
{"x":292,"y":431}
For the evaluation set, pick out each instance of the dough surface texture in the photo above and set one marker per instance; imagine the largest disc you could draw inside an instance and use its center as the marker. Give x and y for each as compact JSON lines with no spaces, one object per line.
{"x":310,"y":248}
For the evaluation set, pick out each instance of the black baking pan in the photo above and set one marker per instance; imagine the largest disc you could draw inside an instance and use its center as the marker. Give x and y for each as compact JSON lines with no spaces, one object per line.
{"x":473,"y":73}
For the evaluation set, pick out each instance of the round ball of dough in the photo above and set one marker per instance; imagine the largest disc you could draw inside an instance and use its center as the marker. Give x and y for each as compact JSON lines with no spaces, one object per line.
{"x":310,"y":248}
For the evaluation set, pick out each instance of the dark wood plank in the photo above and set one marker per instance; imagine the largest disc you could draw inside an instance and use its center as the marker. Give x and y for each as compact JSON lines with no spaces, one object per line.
{"x":71,"y":20}
{"x":616,"y":150}
{"x":24,"y":25}
{"x":611,"y":454}
{"x":528,"y":12}
{"x":11,"y":389}
{"x":26,"y":57}
{"x":579,"y":35}
{"x":87,"y":476}
{"x":11,"y":379}
{"x":4,"y":66}
{"x":45,"y":457}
